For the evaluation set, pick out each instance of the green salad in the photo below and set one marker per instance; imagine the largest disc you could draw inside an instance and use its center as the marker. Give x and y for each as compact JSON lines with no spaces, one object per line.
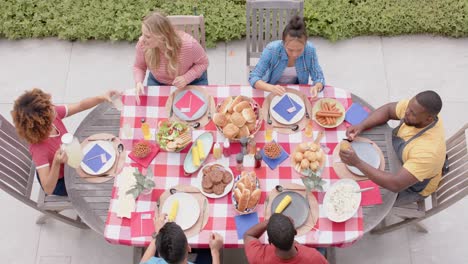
{"x":169,"y":131}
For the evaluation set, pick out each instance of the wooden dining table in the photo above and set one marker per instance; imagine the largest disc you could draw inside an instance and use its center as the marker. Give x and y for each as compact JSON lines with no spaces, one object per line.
{"x":92,"y":200}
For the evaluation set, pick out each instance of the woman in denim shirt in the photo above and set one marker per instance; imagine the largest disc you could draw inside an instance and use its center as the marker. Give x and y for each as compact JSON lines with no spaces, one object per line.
{"x":288,"y":61}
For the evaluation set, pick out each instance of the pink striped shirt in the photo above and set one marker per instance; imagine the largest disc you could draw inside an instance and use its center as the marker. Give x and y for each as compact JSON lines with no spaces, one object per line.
{"x":192,"y":62}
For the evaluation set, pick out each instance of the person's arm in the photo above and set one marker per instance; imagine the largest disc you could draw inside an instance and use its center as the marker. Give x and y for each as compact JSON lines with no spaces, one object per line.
{"x":255,"y":232}
{"x":263,"y":65}
{"x":200,"y":65}
{"x":380,"y":116}
{"x":216,"y":243}
{"x":316,"y":74}
{"x":158,"y":222}
{"x":139,"y":65}
{"x":49,"y":175}
{"x":90,"y":102}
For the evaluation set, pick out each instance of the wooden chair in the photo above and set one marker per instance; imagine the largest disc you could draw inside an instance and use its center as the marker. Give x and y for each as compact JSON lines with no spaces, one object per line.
{"x":193,"y":25}
{"x":17,"y":172}
{"x":452,"y":188}
{"x":265,"y":22}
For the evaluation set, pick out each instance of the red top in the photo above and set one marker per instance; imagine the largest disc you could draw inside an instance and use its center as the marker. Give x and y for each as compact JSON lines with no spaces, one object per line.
{"x":43,"y":153}
{"x":256,"y":252}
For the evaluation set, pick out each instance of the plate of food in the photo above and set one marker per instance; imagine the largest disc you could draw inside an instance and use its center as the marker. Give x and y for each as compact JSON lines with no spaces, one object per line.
{"x":215,"y":180}
{"x":173,"y":136}
{"x":287,"y":109}
{"x":198,"y":152}
{"x":190,"y":104}
{"x":246,"y":192}
{"x":98,"y":157}
{"x":291,"y":204}
{"x":328,"y":112}
{"x":237,"y":117}
{"x":341,"y":201}
{"x":308,"y":157}
{"x":182,"y":208}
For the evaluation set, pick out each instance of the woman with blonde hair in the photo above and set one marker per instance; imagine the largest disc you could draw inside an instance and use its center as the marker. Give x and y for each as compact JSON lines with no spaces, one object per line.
{"x":172,"y":57}
{"x":39,"y":122}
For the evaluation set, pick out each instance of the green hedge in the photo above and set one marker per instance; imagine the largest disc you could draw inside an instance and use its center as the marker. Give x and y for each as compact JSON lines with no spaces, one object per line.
{"x":225,"y":19}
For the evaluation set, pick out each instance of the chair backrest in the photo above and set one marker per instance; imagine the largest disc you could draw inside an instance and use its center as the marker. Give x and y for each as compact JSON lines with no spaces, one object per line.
{"x":266,"y":21}
{"x":17,"y":169}
{"x":454,"y":184}
{"x":193,"y":25}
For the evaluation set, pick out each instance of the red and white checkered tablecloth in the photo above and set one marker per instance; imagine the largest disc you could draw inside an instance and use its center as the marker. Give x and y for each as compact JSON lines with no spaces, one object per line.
{"x":168,"y":172}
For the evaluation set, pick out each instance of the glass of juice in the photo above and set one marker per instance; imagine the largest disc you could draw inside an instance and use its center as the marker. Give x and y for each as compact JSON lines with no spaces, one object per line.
{"x":308,"y":132}
{"x":268,"y":133}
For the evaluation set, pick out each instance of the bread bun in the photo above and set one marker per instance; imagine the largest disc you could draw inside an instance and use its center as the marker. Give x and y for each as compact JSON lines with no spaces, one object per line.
{"x":220,"y":119}
{"x":230,"y":131}
{"x":241,"y":106}
{"x":305,"y":164}
{"x":314,"y":165}
{"x":249,"y":115}
{"x":237,"y":119}
{"x":254,"y":197}
{"x":244,"y":200}
{"x":237,"y":195}
{"x":303,"y":147}
{"x":298,"y":157}
{"x":251,"y":127}
{"x":345,"y":145}
{"x":225,"y":105}
{"x":314,"y":147}
{"x":244,"y":132}
{"x":236,"y":101}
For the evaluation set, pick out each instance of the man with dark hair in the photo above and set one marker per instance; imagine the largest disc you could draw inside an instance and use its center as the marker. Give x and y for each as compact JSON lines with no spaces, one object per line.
{"x":281,"y":233}
{"x":419,"y":142}
{"x":170,"y":245}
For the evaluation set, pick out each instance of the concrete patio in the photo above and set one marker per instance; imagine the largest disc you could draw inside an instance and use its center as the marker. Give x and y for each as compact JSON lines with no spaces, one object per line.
{"x":377,"y":69}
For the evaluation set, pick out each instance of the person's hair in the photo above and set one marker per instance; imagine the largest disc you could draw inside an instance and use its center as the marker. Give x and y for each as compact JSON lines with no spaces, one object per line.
{"x":431,"y":101}
{"x":296,"y":28}
{"x":281,"y":231}
{"x":171,"y":243}
{"x":33,"y":114}
{"x":159,"y":25}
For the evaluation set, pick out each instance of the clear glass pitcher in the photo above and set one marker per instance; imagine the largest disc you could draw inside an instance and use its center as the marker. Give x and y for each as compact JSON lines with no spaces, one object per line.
{"x":72,"y":147}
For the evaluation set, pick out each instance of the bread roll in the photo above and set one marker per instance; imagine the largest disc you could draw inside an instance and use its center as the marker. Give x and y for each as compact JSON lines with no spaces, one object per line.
{"x":247,"y":182}
{"x":230,"y":131}
{"x":305,"y":164}
{"x":236,"y":101}
{"x":345,"y":145}
{"x":225,"y":105}
{"x":303,"y":147}
{"x":220,"y":119}
{"x":254,"y":197}
{"x":241,"y":106}
{"x":237,"y":119}
{"x":244,"y":201}
{"x":314,"y":165}
{"x":237,"y":195}
{"x":249,"y":115}
{"x":244,"y":132}
{"x":311,"y":156}
{"x":298,"y":156}
{"x":314,"y":147}
{"x":240,"y":186}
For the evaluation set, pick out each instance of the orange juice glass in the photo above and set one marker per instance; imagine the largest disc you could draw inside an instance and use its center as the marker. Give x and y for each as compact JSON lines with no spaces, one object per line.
{"x":268,"y":134}
{"x":308,"y":132}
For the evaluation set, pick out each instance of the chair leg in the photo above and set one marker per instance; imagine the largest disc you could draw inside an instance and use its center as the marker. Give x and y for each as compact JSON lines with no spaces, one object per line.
{"x":61,"y":218}
{"x":42,"y":219}
{"x":331,"y":255}
{"x":420,"y":228}
{"x":389,"y":228}
{"x":137,"y":254}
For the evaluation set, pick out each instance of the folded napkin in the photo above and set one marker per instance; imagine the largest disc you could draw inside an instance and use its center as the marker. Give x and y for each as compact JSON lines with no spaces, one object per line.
{"x":95,"y":157}
{"x":145,"y":162}
{"x":283,"y":105}
{"x":194,"y":105}
{"x":245,"y":222}
{"x":356,"y":114}
{"x":141,"y":224}
{"x":273,"y":163}
{"x":370,"y":197}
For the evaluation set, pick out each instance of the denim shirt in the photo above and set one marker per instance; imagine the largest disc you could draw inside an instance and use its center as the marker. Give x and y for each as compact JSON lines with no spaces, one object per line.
{"x":274,"y":61}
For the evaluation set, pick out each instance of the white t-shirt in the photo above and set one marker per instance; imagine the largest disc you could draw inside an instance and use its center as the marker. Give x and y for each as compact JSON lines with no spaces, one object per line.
{"x":289,"y":76}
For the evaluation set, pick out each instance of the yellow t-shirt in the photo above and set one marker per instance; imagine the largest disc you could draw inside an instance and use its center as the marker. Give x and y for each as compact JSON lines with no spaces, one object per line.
{"x":424,"y":156}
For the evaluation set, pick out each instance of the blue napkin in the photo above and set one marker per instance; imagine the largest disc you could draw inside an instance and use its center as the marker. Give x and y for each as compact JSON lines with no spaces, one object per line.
{"x":273,"y":163}
{"x":356,"y":114}
{"x":92,"y":158}
{"x":245,"y":222}
{"x":283,"y":105}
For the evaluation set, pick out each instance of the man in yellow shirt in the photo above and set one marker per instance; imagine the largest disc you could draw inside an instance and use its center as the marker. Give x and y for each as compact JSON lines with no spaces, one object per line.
{"x":419,"y":142}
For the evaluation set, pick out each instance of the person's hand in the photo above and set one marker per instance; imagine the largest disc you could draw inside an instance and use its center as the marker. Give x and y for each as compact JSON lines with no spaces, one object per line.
{"x":353,"y":131}
{"x":139,"y":89}
{"x":349,"y":157}
{"x":60,"y":156}
{"x":159,"y":221}
{"x":277,"y":89}
{"x":179,"y":82}
{"x":109,"y":94}
{"x":314,"y":90}
{"x":216,"y":242}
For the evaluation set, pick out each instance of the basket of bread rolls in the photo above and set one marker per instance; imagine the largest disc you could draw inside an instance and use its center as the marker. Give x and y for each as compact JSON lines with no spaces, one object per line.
{"x":246,"y":192}
{"x":308,"y":157}
{"x":237,"y":117}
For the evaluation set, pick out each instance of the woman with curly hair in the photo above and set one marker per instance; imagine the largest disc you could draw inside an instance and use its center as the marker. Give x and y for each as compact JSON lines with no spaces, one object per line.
{"x":39,"y":122}
{"x":172,"y":57}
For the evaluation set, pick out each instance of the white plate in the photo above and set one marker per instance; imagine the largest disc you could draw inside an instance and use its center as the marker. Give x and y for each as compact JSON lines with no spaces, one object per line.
{"x":350,"y":201}
{"x":228,"y":187}
{"x":108,"y":147}
{"x":299,"y":115}
{"x":189,"y":209}
{"x":199,"y":113}
{"x":207,"y":139}
{"x":366,"y":152}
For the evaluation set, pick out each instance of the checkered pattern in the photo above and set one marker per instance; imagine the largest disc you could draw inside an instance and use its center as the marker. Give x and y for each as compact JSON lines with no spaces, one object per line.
{"x":168,"y":171}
